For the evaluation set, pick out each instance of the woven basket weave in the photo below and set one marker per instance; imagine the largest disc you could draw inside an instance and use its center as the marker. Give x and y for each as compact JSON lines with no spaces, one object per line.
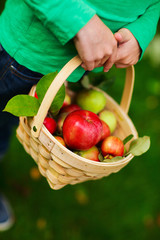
{"x":58,"y":164}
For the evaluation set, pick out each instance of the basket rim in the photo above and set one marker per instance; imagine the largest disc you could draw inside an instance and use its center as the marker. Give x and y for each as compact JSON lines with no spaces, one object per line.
{"x":128,"y":158}
{"x":103,"y":164}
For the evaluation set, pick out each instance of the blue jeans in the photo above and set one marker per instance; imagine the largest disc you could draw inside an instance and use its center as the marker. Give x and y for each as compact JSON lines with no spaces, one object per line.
{"x":14,"y":79}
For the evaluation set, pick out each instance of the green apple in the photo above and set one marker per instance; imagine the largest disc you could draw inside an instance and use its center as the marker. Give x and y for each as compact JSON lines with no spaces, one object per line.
{"x":91,"y":153}
{"x":109,"y":118}
{"x":91,"y":100}
{"x":67,"y":100}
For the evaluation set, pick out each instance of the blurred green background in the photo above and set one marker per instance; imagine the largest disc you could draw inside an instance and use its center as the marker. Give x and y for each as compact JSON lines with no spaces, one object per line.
{"x":122,"y":206}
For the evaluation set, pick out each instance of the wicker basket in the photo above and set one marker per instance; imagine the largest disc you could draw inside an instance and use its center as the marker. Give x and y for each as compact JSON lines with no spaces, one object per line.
{"x":58,"y":164}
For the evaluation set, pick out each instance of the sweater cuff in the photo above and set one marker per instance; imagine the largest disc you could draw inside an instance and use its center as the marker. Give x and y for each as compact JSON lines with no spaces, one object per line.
{"x":144,"y":28}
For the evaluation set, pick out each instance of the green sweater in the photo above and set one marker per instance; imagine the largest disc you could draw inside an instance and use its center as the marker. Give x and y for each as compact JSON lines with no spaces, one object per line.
{"x":38,"y":33}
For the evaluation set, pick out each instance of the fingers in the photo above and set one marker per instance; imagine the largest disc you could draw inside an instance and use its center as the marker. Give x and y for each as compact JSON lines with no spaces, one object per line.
{"x":118,"y":37}
{"x":111,"y":60}
{"x":127,"y":55}
{"x":104,"y":60}
{"x":128,"y":51}
{"x":123,"y":35}
{"x":122,"y":52}
{"x":95,"y":44}
{"x":101,"y":62}
{"x":107,"y":60}
{"x":126,"y":61}
{"x":90,"y":65}
{"x":90,"y":62}
{"x":119,"y":65}
{"x":109,"y":63}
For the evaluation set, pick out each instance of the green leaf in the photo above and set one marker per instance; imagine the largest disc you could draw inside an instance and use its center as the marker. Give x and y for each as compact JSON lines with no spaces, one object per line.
{"x":100,"y":157}
{"x":85,"y":82}
{"x":139,"y":146}
{"x":114,"y":159}
{"x":22,"y":105}
{"x":101,"y":80}
{"x":106,"y":84}
{"x":58,"y":101}
{"x":127,"y":139}
{"x":75,"y":86}
{"x":42,"y":88}
{"x":96,"y":78}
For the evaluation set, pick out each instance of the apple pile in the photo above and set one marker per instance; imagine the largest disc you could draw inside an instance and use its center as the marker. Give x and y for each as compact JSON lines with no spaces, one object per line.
{"x":85,"y":126}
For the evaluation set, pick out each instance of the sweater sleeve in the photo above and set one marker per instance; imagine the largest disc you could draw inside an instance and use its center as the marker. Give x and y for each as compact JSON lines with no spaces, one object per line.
{"x":144,"y":28}
{"x":62,"y":17}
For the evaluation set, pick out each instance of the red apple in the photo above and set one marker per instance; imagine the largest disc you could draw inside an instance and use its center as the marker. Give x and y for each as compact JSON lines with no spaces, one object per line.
{"x":112,"y":145}
{"x":91,"y":153}
{"x":35,"y":95}
{"x":82,"y":130}
{"x":50,"y":124}
{"x":70,"y":108}
{"x":105,"y":130}
{"x":67,"y":100}
{"x":63,"y":114}
{"x":61,"y":140}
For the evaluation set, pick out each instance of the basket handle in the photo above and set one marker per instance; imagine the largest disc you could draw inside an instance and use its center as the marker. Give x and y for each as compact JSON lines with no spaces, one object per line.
{"x":60,"y":79}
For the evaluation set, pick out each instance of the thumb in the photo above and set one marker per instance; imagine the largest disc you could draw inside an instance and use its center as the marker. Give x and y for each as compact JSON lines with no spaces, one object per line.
{"x":123,"y":35}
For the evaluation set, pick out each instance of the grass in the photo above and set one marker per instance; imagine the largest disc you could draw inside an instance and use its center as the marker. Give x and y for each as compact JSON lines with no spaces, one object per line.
{"x":122,"y":206}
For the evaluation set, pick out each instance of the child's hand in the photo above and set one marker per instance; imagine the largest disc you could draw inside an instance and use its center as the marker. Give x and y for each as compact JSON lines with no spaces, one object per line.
{"x":128,"y":51}
{"x":96,"y":45}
